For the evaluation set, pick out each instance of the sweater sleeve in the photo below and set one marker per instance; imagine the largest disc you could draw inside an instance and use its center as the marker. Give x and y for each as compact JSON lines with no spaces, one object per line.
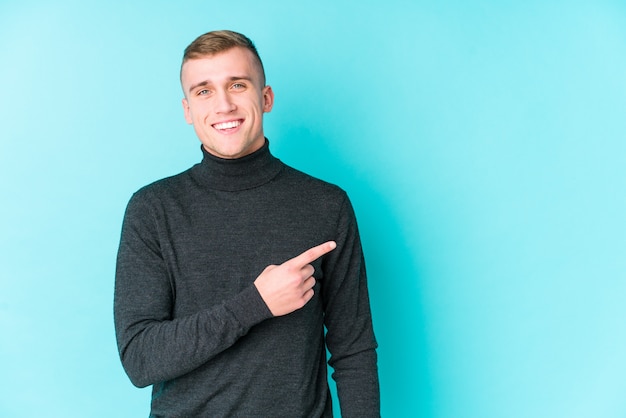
{"x":350,"y":336}
{"x":154,"y":346}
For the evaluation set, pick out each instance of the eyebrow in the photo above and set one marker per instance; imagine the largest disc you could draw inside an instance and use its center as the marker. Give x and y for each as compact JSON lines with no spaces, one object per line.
{"x":207,"y":82}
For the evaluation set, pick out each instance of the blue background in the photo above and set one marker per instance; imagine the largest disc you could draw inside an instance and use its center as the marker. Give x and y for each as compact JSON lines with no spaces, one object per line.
{"x":482,"y":144}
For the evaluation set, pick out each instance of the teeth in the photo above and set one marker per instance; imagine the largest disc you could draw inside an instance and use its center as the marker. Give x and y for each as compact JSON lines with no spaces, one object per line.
{"x":227,"y":125}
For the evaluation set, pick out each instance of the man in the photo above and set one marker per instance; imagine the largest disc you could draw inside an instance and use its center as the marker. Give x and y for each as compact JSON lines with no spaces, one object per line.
{"x":228,"y":273}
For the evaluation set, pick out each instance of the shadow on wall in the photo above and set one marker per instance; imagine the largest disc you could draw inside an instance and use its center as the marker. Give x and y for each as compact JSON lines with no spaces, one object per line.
{"x":393,"y":268}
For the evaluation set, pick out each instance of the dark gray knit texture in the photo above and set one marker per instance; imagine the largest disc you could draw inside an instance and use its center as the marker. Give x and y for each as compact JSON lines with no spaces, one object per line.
{"x":189,"y":320}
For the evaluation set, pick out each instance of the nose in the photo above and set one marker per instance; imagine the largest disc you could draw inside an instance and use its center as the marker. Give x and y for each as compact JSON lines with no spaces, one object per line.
{"x":224,"y":103}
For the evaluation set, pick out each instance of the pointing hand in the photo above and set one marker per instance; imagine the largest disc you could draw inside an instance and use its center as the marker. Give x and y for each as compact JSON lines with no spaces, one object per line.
{"x":289,"y":286}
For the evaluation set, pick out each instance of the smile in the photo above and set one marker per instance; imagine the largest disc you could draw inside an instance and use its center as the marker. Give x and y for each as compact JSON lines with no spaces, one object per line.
{"x":227,"y":125}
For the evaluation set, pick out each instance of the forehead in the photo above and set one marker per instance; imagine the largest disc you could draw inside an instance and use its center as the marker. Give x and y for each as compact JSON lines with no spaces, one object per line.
{"x":233,"y":63}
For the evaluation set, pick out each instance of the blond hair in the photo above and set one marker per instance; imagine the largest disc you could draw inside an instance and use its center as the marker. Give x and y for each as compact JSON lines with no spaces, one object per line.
{"x":214,"y":42}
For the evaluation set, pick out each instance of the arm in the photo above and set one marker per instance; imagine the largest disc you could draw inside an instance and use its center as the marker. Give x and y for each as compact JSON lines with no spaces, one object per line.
{"x":350,"y":336}
{"x":153,"y":345}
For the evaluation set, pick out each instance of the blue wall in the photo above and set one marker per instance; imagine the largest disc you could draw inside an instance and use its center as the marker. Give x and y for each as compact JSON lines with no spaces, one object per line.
{"x":482,"y":143}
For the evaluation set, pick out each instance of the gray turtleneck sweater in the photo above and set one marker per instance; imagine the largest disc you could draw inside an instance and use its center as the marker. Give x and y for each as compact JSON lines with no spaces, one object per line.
{"x":189,"y":320}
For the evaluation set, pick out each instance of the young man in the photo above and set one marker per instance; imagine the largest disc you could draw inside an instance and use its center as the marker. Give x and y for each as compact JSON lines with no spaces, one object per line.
{"x":228,"y":273}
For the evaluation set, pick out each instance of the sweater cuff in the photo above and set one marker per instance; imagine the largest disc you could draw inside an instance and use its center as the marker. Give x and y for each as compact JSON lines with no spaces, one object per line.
{"x":249,"y":308}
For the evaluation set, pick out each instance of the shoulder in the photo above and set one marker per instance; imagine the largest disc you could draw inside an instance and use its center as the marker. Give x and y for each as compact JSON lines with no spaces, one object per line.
{"x":316,"y":197}
{"x":162,"y":190}
{"x":311,"y":185}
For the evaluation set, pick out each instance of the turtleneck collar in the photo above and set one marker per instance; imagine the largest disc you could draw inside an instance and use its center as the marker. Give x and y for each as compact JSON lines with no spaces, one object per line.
{"x":243,"y":173}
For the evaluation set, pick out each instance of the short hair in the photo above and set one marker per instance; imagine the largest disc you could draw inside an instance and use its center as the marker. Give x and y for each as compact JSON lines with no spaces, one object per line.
{"x":214,"y":42}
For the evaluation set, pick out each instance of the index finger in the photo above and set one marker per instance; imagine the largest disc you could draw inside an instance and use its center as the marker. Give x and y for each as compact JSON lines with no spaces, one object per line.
{"x":312,"y":254}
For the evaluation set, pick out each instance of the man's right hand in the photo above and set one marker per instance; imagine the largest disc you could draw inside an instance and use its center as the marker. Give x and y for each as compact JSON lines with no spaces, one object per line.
{"x":289,"y":286}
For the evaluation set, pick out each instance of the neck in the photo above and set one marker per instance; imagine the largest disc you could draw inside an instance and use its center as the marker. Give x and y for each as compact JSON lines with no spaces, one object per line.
{"x":250,"y":171}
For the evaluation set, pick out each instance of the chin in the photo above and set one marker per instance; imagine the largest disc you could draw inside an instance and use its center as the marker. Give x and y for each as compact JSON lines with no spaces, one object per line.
{"x":228,"y":153}
{"x":232,"y":148}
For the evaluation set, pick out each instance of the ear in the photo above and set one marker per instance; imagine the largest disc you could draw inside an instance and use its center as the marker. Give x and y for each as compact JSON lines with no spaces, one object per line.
{"x":187,"y":111}
{"x":268,"y":98}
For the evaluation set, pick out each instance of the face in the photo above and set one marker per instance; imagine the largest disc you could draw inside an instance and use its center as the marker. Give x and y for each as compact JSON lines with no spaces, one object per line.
{"x":225,"y":101}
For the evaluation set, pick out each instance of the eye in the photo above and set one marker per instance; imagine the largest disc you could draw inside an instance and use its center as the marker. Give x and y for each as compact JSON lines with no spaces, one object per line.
{"x":202,"y":92}
{"x":239,"y":86}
